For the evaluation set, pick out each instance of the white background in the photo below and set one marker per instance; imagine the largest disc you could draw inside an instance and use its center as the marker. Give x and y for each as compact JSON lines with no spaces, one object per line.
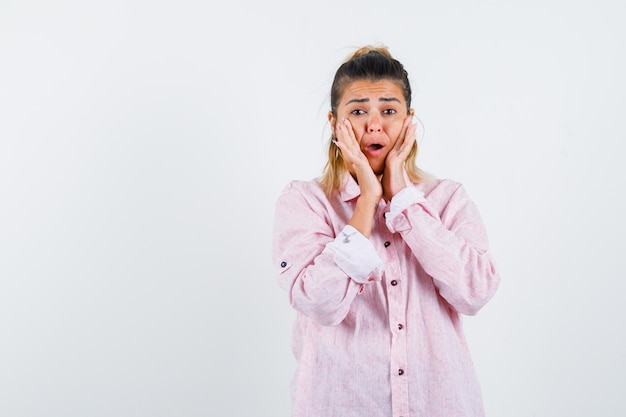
{"x":143,"y":145}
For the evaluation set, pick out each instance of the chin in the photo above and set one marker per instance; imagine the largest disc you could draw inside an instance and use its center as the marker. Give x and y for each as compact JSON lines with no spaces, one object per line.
{"x":378,"y":166}
{"x":379,"y":171}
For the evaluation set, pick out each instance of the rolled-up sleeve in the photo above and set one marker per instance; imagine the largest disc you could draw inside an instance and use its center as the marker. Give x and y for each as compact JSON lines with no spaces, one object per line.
{"x":356,"y":256}
{"x":322,"y":272}
{"x":451,"y":246}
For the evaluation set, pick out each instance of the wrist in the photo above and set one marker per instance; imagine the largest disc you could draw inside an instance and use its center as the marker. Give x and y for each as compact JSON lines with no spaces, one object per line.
{"x":368,"y":201}
{"x":393,"y":184}
{"x":363,"y":215}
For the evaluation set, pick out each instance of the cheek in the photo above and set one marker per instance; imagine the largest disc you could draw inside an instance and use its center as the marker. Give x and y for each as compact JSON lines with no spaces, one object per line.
{"x":393,"y":133}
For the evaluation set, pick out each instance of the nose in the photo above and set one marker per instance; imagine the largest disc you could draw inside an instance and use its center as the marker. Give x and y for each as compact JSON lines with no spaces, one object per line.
{"x":374,"y":123}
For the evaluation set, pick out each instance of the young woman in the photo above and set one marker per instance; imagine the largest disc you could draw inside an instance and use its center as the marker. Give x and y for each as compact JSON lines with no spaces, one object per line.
{"x":380,"y":262}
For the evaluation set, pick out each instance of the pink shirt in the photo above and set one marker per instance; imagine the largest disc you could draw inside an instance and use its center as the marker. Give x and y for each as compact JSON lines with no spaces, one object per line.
{"x":378,"y":329}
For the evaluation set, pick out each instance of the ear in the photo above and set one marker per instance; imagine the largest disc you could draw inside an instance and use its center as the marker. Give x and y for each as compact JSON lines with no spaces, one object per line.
{"x":412,"y":111}
{"x":332,"y":121}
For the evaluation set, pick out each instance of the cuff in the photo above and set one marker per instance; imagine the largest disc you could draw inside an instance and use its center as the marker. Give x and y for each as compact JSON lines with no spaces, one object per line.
{"x":403,"y":199}
{"x":356,"y":256}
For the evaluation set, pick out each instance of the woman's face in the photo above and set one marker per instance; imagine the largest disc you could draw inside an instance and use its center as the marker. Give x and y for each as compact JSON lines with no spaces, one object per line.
{"x":377,"y":111}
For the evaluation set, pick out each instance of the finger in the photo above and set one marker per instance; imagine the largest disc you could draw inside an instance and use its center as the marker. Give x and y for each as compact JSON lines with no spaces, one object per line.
{"x":349,"y":129}
{"x":409,"y":140}
{"x":400,"y":143}
{"x":342,"y":132}
{"x":347,"y":143}
{"x":340,"y":136}
{"x":347,"y":137}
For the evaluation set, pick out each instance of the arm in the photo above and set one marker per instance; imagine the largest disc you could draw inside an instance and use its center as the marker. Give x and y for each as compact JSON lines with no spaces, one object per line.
{"x":452,"y":249}
{"x":321,"y":273}
{"x":371,"y":189}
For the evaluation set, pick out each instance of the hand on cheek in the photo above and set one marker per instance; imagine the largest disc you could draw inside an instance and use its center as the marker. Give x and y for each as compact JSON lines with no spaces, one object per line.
{"x":357,"y":161}
{"x":393,"y":177}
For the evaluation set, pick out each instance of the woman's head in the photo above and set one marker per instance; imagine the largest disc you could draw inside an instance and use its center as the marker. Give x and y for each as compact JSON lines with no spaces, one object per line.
{"x":372,"y":90}
{"x":372,"y":64}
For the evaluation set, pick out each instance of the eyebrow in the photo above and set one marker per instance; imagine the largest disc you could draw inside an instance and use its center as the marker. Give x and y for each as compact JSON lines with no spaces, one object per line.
{"x":365,"y":100}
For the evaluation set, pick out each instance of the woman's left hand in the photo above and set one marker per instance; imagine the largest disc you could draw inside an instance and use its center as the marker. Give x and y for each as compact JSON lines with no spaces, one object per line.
{"x":393,"y":177}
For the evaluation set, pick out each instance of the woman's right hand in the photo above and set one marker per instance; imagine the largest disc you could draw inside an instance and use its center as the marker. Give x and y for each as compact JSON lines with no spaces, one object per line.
{"x":371,"y":188}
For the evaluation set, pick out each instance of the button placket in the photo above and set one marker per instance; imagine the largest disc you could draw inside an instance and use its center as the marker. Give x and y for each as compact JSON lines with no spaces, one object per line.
{"x":396,"y":315}
{"x":397,"y":311}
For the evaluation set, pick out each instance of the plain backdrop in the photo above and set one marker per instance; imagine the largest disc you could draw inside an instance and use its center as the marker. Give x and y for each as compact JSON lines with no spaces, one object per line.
{"x":143,"y":145}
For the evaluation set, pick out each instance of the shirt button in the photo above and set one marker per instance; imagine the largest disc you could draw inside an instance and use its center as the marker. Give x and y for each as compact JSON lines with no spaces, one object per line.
{"x":283,"y":264}
{"x":394,"y":282}
{"x":400,"y":326}
{"x":400,"y":371}
{"x":387,"y":243}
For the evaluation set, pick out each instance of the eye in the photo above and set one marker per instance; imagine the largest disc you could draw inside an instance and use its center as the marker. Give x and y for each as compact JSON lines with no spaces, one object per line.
{"x":357,"y":112}
{"x":390,"y":111}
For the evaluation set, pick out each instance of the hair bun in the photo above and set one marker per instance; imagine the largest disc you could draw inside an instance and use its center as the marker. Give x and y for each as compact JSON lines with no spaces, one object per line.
{"x":364,"y":50}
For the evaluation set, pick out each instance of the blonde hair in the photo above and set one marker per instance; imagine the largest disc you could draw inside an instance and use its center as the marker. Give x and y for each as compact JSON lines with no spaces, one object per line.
{"x":367,"y":63}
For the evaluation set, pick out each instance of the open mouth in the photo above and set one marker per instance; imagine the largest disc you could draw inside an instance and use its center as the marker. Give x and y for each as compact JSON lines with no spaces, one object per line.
{"x":374,"y":150}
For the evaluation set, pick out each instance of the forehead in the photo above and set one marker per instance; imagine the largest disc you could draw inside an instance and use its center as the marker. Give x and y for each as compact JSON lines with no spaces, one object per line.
{"x":373,"y":90}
